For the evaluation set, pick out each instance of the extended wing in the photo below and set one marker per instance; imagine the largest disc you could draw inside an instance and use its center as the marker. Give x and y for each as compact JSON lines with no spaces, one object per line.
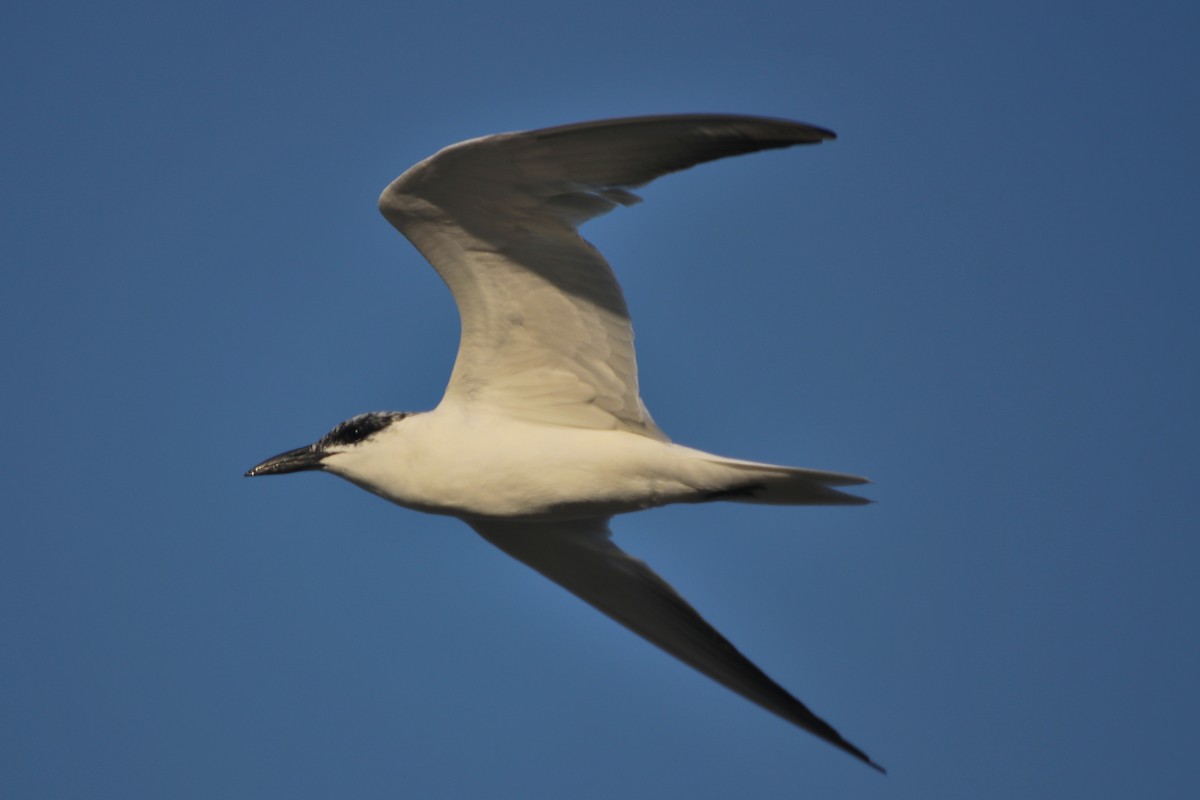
{"x":580,"y":556}
{"x":545,"y":330}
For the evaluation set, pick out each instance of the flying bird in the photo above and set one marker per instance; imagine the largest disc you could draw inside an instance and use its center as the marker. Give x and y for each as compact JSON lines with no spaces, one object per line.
{"x":541,"y":436}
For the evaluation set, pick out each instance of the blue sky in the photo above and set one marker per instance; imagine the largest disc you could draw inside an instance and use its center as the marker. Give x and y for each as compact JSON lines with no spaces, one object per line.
{"x":983,"y":296}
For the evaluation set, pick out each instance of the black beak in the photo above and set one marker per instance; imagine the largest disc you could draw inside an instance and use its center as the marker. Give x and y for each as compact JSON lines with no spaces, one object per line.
{"x":298,"y":460}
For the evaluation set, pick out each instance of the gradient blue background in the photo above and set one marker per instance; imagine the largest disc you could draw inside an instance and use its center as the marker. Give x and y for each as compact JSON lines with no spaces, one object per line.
{"x":983,"y":296}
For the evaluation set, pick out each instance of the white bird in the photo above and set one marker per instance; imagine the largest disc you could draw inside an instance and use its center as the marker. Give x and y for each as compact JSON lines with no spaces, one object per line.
{"x":541,"y":436}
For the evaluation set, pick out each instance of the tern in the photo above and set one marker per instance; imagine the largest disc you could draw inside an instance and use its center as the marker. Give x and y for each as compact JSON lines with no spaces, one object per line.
{"x":541,"y":436}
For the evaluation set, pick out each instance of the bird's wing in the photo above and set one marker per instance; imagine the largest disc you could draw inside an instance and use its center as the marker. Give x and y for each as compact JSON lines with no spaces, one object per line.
{"x":580,"y":556}
{"x":545,"y":330}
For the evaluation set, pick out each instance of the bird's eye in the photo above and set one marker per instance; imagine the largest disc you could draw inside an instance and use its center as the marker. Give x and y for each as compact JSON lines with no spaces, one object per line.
{"x":351,"y":432}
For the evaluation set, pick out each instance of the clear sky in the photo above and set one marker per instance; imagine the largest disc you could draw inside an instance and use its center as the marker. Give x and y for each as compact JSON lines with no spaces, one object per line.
{"x":983,"y":296}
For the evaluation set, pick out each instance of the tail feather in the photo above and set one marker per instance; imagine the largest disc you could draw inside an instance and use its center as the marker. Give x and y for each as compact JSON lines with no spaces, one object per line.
{"x":751,"y":482}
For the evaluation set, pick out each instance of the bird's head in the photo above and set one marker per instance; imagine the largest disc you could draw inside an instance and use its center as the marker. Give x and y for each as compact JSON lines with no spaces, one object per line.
{"x":335,"y":451}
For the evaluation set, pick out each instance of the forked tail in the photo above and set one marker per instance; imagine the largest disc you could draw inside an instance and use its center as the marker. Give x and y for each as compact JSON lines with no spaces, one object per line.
{"x":751,"y":482}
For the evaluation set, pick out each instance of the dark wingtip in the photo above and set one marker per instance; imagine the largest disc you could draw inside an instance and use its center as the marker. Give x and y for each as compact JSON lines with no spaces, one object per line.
{"x":860,"y":755}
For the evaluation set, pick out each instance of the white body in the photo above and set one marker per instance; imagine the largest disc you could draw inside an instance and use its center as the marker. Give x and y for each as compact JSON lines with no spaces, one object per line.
{"x":474,"y":463}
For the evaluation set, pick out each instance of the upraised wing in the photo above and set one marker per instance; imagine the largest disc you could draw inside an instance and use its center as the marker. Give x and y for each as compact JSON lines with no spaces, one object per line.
{"x":579,"y":556}
{"x":545,"y":331}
